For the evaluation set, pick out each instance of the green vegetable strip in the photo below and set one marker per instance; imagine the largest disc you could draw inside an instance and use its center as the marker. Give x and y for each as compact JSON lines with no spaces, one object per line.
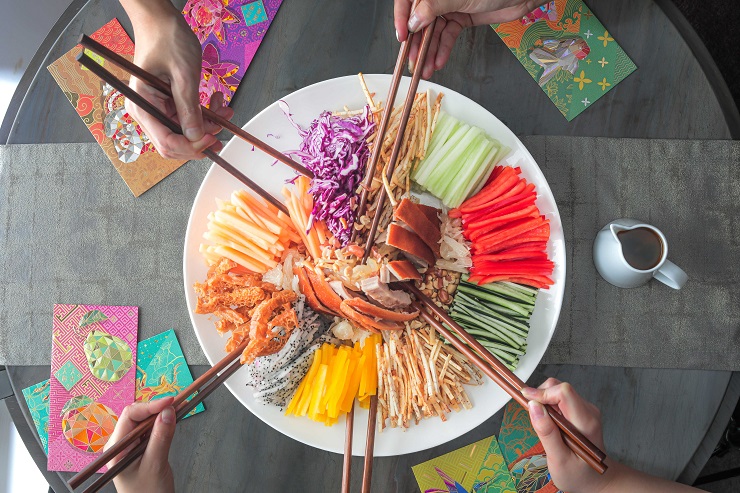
{"x":495,"y":299}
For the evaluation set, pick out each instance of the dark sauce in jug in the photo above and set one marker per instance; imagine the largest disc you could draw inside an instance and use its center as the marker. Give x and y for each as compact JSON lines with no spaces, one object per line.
{"x":641,"y":247}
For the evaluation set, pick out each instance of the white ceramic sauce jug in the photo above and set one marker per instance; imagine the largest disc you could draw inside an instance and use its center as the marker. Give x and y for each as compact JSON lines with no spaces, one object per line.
{"x":610,"y":261}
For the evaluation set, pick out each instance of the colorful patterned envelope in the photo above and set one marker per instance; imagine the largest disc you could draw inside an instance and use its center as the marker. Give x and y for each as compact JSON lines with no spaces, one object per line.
{"x":230,"y":32}
{"x":101,"y":109}
{"x":159,"y":358}
{"x":523,"y":452}
{"x":568,"y":52}
{"x":93,"y":359}
{"x":478,"y":468}
{"x":37,"y":400}
{"x":162,"y":370}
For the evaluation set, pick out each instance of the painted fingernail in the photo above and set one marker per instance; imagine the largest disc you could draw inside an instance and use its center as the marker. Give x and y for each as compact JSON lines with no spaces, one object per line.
{"x":168,"y":415}
{"x":414,"y":23}
{"x":193,"y":134}
{"x":536,"y":410}
{"x":529,"y":392}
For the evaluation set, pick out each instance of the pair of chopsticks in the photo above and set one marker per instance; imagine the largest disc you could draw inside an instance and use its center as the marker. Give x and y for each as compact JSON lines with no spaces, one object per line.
{"x":139,"y":436}
{"x":499,"y":373}
{"x":403,"y":56}
{"x":90,"y":44}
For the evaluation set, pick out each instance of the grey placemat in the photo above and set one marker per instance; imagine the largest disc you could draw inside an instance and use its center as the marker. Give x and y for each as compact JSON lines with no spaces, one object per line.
{"x":690,"y":190}
{"x":72,"y":233}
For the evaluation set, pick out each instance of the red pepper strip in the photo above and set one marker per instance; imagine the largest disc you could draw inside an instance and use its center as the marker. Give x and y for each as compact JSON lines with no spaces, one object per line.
{"x":529,"y":280}
{"x":480,"y":234}
{"x":481,"y":280}
{"x":454,"y":213}
{"x":493,"y":257}
{"x":496,"y":222}
{"x":534,"y":246}
{"x":484,"y":211}
{"x":503,"y":184}
{"x":506,"y":179}
{"x":494,"y":174}
{"x":511,"y":273}
{"x":538,"y":234}
{"x":504,"y":201}
{"x":516,"y":206}
{"x":498,"y":227}
{"x":483,"y":218}
{"x":523,"y":251}
{"x":499,"y":202}
{"x":534,"y":267}
{"x":518,"y":227}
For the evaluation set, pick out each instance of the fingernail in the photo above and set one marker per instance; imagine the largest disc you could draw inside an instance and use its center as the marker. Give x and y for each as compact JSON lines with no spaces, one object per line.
{"x":168,"y":415}
{"x":193,"y":134}
{"x":529,"y":392}
{"x":414,"y":23}
{"x":411,"y":66}
{"x":536,"y":410}
{"x":398,"y":37}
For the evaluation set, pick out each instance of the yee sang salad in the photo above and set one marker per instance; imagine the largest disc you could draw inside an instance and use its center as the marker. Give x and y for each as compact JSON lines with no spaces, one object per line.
{"x":324,"y":329}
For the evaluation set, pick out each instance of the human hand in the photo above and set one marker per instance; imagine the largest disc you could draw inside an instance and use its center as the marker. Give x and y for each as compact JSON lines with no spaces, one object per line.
{"x":168,"y":49}
{"x":569,"y":472}
{"x":458,"y":14}
{"x":152,"y":471}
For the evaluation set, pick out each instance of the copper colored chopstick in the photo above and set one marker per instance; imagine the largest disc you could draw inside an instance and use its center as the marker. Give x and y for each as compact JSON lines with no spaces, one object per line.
{"x":408,"y":103}
{"x":347,"y":464}
{"x":367,"y":473}
{"x":139,"y":100}
{"x":503,"y":376}
{"x":157,"y":83}
{"x":145,"y":426}
{"x":403,"y":55}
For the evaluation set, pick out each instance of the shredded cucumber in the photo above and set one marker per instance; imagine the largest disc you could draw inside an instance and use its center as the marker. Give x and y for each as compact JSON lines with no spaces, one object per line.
{"x":458,"y":160}
{"x":497,"y":315}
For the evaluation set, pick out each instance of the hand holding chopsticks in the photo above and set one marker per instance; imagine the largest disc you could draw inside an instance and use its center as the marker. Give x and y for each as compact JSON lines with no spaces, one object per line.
{"x":499,"y":373}
{"x":147,"y":106}
{"x":152,"y":473}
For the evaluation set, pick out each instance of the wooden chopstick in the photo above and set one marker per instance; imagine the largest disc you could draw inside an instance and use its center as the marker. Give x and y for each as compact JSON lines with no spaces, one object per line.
{"x":504,"y":377}
{"x":403,"y":55}
{"x":367,"y":473}
{"x":139,"y":100}
{"x":145,"y":426}
{"x":410,"y":95}
{"x":157,"y":83}
{"x":347,"y":463}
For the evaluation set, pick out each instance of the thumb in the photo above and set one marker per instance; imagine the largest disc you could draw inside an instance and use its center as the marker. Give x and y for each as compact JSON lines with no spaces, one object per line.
{"x":427,"y":10}
{"x":548,"y":432}
{"x":187,"y":102}
{"x":158,"y":449}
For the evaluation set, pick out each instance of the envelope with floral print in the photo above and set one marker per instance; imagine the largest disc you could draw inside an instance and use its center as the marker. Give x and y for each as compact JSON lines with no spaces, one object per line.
{"x":101,"y":109}
{"x":568,"y":52}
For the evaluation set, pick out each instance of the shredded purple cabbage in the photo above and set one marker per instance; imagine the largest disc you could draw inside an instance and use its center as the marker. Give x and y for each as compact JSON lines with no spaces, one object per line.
{"x":335,"y":149}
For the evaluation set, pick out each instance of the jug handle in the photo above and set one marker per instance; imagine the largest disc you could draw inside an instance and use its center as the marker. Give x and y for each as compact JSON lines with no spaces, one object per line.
{"x":671,"y":275}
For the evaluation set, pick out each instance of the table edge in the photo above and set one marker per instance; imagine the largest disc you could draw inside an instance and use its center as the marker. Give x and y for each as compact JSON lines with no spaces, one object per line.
{"x":706,"y":62}
{"x":715,"y":431}
{"x":35,"y":66}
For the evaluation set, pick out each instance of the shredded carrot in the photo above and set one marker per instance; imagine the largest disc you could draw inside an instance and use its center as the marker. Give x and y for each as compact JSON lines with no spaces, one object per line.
{"x":248,"y":231}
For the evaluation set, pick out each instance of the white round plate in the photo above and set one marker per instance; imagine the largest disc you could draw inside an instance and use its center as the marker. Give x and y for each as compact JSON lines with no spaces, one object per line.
{"x":273,"y":127}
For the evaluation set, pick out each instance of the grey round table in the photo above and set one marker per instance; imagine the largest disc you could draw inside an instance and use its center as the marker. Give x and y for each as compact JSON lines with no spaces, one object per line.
{"x":659,"y":420}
